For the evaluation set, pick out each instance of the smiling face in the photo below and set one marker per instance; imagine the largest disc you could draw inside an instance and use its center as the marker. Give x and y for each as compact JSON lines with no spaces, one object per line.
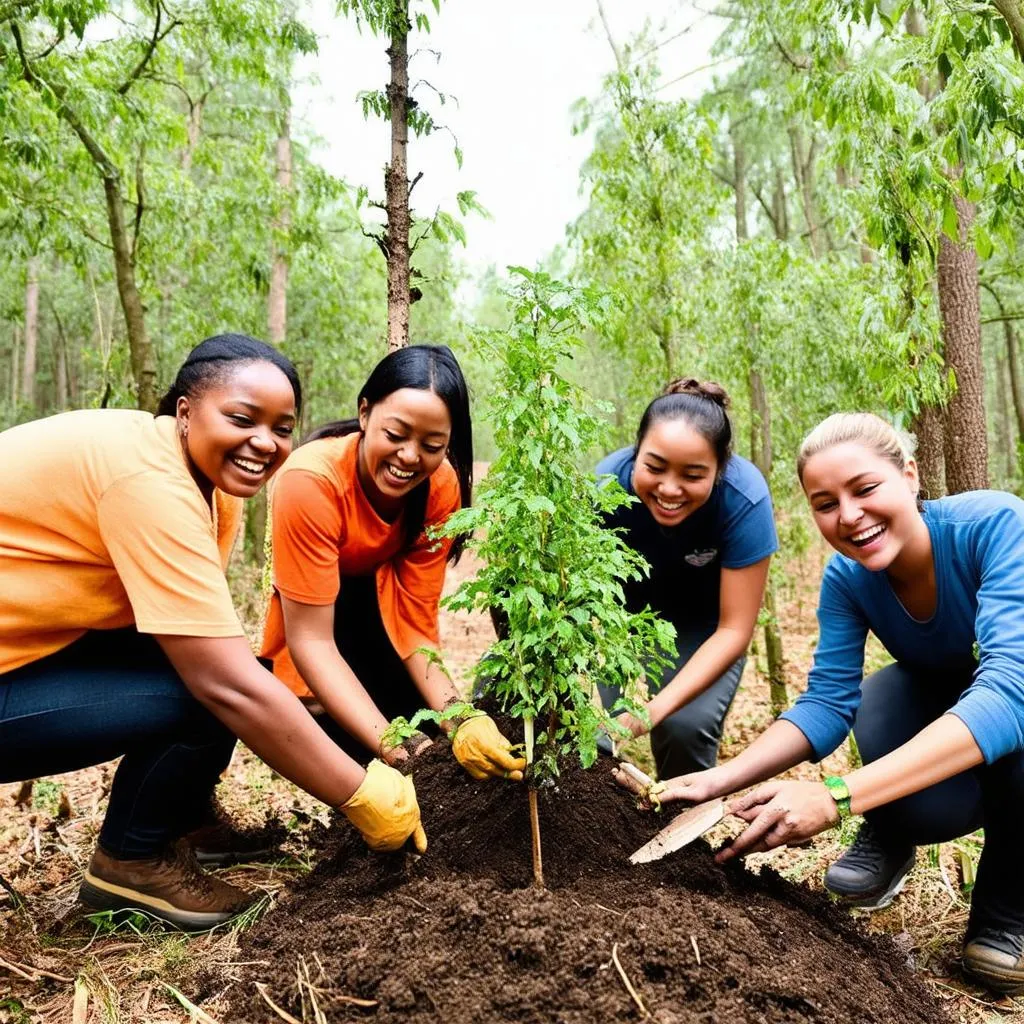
{"x":864,"y":505}
{"x":675,"y":471}
{"x":405,"y":438}
{"x":238,"y":431}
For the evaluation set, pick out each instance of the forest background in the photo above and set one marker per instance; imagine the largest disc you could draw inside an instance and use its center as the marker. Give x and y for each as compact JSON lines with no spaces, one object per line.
{"x":815,"y":202}
{"x":829,"y":222}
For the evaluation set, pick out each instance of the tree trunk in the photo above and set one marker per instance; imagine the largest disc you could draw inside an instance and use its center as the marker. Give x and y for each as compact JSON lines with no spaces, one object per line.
{"x":15,"y":362}
{"x":780,"y":208}
{"x":761,"y":456}
{"x":929,"y":431}
{"x":277,"y":311}
{"x":966,"y":442}
{"x":1004,"y":425}
{"x":277,"y":301}
{"x":28,"y":366}
{"x":60,"y":359}
{"x":803,"y":172}
{"x":396,"y":181}
{"x":739,"y":178}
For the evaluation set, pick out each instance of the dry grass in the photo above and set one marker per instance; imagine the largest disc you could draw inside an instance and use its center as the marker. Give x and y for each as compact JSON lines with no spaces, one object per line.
{"x":58,"y":966}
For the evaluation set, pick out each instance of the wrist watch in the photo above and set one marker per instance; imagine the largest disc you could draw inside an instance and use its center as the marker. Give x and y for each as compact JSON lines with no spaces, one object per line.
{"x":840,"y":792}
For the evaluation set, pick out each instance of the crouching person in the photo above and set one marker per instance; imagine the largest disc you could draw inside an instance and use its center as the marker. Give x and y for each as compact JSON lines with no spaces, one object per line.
{"x":118,"y":637}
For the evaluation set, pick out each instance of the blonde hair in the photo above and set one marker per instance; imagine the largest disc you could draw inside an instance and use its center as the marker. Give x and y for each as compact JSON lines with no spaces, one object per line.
{"x":863,"y":428}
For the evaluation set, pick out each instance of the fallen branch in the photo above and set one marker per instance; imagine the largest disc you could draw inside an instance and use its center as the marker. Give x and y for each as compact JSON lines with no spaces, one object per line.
{"x":283,"y":1014}
{"x":625,"y":981}
{"x":15,"y":970}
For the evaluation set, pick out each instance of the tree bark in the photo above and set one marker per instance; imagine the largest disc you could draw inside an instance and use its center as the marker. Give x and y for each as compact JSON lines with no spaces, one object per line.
{"x":966,"y":440}
{"x":15,"y":363}
{"x":396,"y":181}
{"x":1004,"y":425}
{"x":1013,"y":13}
{"x":929,"y":431}
{"x":277,"y":300}
{"x":28,"y":366}
{"x":739,"y":178}
{"x":803,"y":172}
{"x":761,"y":456}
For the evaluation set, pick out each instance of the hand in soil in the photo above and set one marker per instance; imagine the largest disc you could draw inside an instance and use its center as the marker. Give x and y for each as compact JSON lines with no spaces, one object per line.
{"x":409,"y":748}
{"x":695,"y":788}
{"x":482,"y":750}
{"x":779,"y":813}
{"x":384,"y":809}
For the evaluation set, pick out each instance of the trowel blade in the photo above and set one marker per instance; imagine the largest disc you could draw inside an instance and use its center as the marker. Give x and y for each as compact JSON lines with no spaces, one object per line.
{"x":682,"y":829}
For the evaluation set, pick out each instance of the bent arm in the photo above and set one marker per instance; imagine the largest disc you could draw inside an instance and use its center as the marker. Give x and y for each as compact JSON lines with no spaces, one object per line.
{"x":941,"y":750}
{"x":309,"y":630}
{"x":222,"y":674}
{"x":739,"y":601}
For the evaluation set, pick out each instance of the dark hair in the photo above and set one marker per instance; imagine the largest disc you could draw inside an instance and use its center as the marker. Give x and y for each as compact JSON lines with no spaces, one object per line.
{"x":702,"y":404}
{"x":210,"y":362}
{"x":426,"y":368}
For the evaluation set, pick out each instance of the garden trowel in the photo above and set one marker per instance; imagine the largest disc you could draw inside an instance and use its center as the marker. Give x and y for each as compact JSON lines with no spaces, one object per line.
{"x":682,"y":829}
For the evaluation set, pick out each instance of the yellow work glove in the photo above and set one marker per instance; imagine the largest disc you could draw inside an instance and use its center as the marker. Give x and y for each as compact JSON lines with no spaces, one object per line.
{"x":384,"y":809}
{"x":484,"y":752}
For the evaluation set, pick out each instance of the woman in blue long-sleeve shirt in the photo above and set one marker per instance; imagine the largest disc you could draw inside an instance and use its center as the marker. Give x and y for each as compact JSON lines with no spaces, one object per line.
{"x":941,"y":730}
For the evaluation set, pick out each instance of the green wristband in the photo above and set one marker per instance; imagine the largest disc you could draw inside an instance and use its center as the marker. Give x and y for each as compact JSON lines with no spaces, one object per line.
{"x":840,"y":792}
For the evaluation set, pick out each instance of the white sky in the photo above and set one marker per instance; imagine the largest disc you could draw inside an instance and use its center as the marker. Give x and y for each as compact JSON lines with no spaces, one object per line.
{"x":515,"y":70}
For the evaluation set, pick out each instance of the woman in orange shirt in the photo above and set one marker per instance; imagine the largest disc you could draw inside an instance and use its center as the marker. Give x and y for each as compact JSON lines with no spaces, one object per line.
{"x":118,"y":635}
{"x":357,"y":581}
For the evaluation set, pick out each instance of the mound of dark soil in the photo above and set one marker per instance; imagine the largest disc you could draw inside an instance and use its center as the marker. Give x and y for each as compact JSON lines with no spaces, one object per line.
{"x":460,"y":935}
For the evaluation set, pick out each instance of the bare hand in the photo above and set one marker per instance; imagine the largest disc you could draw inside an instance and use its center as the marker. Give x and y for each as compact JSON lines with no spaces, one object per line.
{"x":694,"y":788}
{"x":410,"y":747}
{"x":779,"y":813}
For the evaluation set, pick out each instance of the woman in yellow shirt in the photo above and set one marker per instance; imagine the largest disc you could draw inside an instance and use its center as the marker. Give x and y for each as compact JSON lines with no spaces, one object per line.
{"x":118,"y":636}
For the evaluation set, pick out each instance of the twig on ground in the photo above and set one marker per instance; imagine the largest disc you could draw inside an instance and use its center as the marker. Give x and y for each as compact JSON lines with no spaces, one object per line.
{"x":625,"y":981}
{"x":146,"y":996}
{"x":620,"y":913}
{"x":15,"y":970}
{"x":696,"y":951}
{"x":283,"y":1014}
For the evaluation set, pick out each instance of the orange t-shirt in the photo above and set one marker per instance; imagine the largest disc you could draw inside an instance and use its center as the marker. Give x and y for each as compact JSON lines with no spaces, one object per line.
{"x":324,"y":528}
{"x":101,"y":527}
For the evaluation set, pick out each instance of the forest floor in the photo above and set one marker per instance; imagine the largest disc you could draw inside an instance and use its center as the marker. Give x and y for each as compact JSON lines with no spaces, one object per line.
{"x":58,"y":965}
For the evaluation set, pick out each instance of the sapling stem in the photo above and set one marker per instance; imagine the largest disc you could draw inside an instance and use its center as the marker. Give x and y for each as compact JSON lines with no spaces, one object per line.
{"x":538,"y":864}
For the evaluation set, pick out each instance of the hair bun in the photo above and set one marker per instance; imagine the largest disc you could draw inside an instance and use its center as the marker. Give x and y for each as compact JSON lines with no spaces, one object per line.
{"x":701,"y":389}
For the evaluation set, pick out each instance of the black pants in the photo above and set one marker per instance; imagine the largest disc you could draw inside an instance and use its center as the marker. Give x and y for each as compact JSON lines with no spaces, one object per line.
{"x":687,"y":740}
{"x":364,"y":643}
{"x":897,"y":703}
{"x":114,"y":693}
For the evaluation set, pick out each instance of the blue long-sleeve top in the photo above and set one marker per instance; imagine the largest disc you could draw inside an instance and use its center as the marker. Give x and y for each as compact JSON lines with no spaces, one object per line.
{"x":978,"y":549}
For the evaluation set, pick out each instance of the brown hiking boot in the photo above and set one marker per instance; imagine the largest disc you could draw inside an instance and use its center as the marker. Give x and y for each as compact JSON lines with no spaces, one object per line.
{"x":172,"y":887}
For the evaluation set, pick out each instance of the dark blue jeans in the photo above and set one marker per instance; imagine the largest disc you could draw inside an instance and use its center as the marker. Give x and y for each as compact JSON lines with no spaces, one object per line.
{"x":687,"y":741}
{"x":114,"y":694}
{"x":897,"y":702}
{"x":365,"y":645}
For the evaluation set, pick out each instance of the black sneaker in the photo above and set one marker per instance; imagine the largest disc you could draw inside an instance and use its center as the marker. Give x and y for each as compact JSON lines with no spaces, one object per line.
{"x":871,"y":872}
{"x":995,"y":958}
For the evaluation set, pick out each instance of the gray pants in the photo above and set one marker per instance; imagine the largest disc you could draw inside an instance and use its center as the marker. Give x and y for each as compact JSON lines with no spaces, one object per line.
{"x":687,"y":741}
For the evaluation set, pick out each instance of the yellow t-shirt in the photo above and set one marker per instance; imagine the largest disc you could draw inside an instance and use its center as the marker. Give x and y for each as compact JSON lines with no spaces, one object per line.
{"x":101,"y":527}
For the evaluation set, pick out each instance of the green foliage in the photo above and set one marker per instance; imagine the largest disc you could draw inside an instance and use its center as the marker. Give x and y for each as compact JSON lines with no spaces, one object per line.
{"x":552,"y":573}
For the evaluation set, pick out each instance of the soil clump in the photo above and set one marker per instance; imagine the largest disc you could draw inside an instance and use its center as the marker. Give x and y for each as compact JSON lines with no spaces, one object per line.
{"x":460,"y":933}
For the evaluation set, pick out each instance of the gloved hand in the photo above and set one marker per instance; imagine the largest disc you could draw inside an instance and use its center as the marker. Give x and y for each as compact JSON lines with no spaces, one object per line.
{"x":384,"y":809}
{"x":484,"y":752}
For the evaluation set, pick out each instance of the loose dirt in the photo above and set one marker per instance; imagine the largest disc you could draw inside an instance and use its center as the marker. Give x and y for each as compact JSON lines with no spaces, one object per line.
{"x":460,"y":934}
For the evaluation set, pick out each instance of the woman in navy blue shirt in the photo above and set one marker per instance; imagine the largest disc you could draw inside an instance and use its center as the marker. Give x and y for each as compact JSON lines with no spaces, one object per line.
{"x":941,"y":729}
{"x":704,"y":523}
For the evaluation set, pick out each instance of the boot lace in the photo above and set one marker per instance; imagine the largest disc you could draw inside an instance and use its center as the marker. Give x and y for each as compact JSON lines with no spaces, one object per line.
{"x":868,"y":851}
